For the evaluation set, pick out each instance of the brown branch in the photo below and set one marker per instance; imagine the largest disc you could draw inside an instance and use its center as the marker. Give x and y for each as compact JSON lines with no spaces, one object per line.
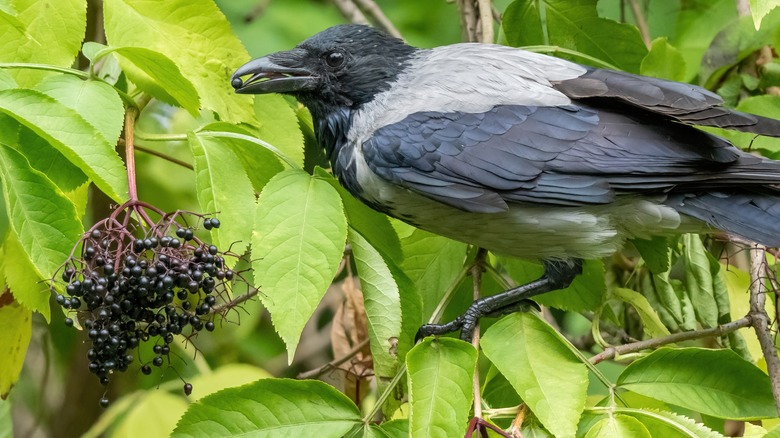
{"x":641,"y":22}
{"x":350,"y":11}
{"x":468,"y":19}
{"x":313,"y":374}
{"x":761,"y":323}
{"x":371,"y":8}
{"x":720,"y":330}
{"x":486,"y":21}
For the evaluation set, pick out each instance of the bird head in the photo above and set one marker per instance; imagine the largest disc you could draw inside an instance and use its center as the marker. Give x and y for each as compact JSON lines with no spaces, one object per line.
{"x":343,"y":66}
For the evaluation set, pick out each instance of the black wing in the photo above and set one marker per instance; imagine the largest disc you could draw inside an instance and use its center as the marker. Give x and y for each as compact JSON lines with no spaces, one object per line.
{"x":573,"y":155}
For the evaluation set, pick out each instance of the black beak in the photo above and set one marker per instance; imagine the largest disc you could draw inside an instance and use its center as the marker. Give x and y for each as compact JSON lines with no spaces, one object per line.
{"x":270,"y":77}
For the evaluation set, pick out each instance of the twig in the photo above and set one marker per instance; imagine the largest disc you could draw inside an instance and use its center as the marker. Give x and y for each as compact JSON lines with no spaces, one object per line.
{"x":164,"y":157}
{"x":350,"y":11}
{"x":236,"y":301}
{"x":760,"y":321}
{"x":720,"y":330}
{"x":641,"y":22}
{"x":371,"y":8}
{"x":486,"y":20}
{"x":256,"y":11}
{"x":517,"y":423}
{"x":468,"y":19}
{"x":476,"y":275}
{"x":313,"y":374}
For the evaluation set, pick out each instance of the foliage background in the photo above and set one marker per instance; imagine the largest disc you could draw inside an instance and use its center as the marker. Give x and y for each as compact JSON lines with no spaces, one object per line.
{"x":699,"y":41}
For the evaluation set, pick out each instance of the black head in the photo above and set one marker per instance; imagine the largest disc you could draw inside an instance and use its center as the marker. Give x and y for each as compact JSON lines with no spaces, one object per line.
{"x":341,"y":67}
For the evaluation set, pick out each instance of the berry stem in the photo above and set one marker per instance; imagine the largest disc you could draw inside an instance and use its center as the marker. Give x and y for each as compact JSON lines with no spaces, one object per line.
{"x":132,"y":191}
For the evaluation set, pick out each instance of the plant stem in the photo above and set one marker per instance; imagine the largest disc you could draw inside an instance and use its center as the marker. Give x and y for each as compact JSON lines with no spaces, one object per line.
{"x":164,"y":157}
{"x":477,"y":268}
{"x":556,"y":49}
{"x":132,"y":190}
{"x":313,"y":374}
{"x":382,"y":397}
{"x":46,"y":67}
{"x":612,"y":352}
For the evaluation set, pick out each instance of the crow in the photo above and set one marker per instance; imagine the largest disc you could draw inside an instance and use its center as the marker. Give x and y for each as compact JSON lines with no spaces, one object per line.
{"x":521,"y":153}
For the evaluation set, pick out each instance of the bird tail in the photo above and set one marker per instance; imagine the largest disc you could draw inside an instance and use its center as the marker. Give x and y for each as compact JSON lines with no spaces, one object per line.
{"x":754,"y":215}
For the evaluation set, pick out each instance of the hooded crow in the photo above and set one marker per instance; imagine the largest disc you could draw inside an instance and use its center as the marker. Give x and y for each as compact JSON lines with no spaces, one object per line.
{"x":521,"y":153}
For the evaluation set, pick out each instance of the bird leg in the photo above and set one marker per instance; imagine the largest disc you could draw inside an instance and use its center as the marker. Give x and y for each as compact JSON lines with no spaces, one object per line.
{"x":558,"y":274}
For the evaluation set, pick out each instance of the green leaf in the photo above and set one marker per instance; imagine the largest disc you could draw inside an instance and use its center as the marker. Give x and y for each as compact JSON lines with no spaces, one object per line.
{"x":156,"y":74}
{"x":655,"y":252}
{"x":6,"y":425}
{"x":441,"y":373}
{"x":540,"y":367}
{"x":16,"y":327}
{"x":738,"y":284}
{"x":8,"y":15}
{"x":382,"y":302}
{"x":225,"y":189}
{"x":24,"y":279}
{"x":279,"y":125}
{"x":668,"y":424}
{"x":44,"y":158}
{"x":70,"y":134}
{"x":259,"y":163}
{"x":226,"y":376}
{"x":271,"y":408}
{"x":373,"y":226}
{"x":663,"y":61}
{"x":729,"y":388}
{"x":433,"y":263}
{"x":586,"y":292}
{"x":97,"y":102}
{"x":650,"y":321}
{"x":299,"y":235}
{"x":618,"y":426}
{"x":155,"y":414}
{"x":53,"y":36}
{"x":693,"y":35}
{"x":760,"y":8}
{"x":698,"y":280}
{"x":574,"y":24}
{"x":185,"y":31}
{"x":44,"y":220}
{"x":6,"y":80}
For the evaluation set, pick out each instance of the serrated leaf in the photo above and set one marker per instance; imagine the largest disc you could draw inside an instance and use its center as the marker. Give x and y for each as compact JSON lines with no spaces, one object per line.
{"x":155,"y":414}
{"x":663,"y":61}
{"x":97,"y":102}
{"x":298,"y":240}
{"x":225,"y":189}
{"x":382,"y":302}
{"x":650,"y":321}
{"x":574,"y":25}
{"x":760,"y":8}
{"x":698,"y":280}
{"x":655,"y":252}
{"x":432,"y":262}
{"x":669,"y":425}
{"x":6,"y":80}
{"x":259,"y":163}
{"x":44,"y":158}
{"x":70,"y":134}
{"x":713,"y":382}
{"x":185,"y":30}
{"x":440,"y":381}
{"x":540,"y":367}
{"x":54,"y":31}
{"x":158,"y":75}
{"x":44,"y":220}
{"x":693,"y":35}
{"x":24,"y":279}
{"x":373,"y":226}
{"x":279,"y":125}
{"x":618,"y":426}
{"x":16,"y":327}
{"x":8,"y":16}
{"x":271,"y":408}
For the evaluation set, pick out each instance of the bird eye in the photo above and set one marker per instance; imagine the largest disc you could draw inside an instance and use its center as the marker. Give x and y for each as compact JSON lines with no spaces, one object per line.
{"x":334,"y":59}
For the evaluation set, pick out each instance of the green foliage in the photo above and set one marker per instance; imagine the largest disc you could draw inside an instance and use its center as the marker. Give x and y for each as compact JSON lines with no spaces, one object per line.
{"x":163,"y":75}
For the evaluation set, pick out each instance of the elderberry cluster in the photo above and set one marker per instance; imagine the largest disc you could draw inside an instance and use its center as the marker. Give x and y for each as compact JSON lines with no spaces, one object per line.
{"x":127,"y":289}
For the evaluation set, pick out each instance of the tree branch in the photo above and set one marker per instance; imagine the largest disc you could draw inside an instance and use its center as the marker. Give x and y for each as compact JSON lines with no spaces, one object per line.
{"x":720,"y":330}
{"x":641,"y":22}
{"x":468,"y":19}
{"x":761,"y":323}
{"x":371,"y":8}
{"x":350,"y":11}
{"x":313,"y":374}
{"x":486,"y":21}
{"x":476,"y":275}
